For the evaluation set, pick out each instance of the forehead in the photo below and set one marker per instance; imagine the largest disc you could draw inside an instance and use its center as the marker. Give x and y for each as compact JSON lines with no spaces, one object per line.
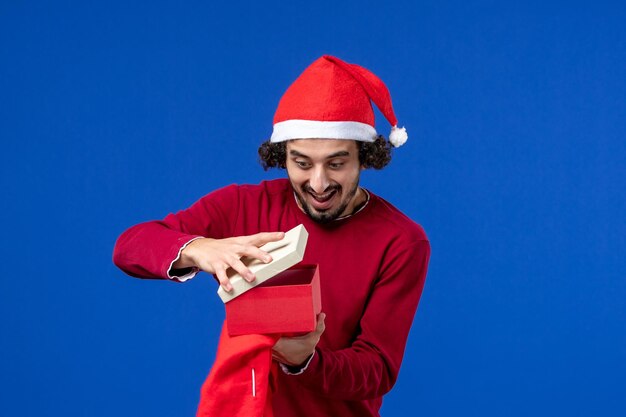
{"x":322,"y":148}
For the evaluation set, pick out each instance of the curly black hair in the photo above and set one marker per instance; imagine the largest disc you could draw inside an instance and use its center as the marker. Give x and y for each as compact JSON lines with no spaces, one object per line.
{"x":375,"y":154}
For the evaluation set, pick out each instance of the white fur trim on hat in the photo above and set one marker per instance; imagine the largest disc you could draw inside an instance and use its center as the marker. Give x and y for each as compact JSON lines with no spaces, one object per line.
{"x":313,"y":129}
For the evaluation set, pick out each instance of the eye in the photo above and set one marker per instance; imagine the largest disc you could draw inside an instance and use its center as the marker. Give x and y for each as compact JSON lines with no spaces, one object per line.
{"x":335,"y":165}
{"x":302,"y":164}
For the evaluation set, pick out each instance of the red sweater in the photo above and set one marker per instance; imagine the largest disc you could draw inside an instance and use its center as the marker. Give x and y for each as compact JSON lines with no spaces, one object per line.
{"x":372,"y":271}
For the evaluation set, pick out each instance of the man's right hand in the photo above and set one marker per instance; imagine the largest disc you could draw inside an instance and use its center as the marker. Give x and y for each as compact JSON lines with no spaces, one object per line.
{"x":215,"y":256}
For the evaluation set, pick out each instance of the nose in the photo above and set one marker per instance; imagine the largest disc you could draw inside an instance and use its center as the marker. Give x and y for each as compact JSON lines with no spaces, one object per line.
{"x":319,"y":181}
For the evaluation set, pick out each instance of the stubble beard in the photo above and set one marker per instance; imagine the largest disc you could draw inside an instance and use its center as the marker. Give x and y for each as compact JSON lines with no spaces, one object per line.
{"x":327,"y":216}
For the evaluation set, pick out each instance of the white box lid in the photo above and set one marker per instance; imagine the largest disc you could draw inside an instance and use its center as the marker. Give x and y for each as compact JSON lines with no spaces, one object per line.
{"x":285,"y":253}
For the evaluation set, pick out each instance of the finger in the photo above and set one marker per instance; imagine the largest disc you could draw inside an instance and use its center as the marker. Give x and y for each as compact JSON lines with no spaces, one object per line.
{"x":276,"y":349}
{"x":262,"y":238}
{"x":277,"y":344}
{"x":279,"y":358}
{"x":256,"y":253}
{"x":242,"y":269}
{"x":223,"y":279}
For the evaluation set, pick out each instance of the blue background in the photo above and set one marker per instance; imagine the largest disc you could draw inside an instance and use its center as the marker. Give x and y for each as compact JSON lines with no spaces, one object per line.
{"x":112,"y":113}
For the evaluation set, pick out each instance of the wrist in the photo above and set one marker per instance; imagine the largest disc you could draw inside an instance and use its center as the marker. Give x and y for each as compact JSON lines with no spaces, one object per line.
{"x":297,"y":369}
{"x":186,"y":258}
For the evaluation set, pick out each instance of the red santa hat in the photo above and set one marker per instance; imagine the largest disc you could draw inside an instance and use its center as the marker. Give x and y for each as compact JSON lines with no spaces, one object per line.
{"x":331,"y":100}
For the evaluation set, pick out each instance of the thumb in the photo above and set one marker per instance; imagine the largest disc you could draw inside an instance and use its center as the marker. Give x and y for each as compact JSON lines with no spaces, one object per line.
{"x":321,"y":326}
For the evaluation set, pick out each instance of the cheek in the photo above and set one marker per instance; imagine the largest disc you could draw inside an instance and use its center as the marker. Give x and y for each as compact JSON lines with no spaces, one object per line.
{"x":297,"y":177}
{"x":348,"y":178}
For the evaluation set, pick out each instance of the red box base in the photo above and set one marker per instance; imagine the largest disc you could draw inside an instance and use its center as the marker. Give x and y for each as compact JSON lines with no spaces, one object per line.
{"x":287,"y":303}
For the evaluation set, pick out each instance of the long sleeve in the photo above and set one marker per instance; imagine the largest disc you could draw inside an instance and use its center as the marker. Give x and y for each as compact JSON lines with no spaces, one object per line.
{"x":149,"y":249}
{"x":369,"y":367}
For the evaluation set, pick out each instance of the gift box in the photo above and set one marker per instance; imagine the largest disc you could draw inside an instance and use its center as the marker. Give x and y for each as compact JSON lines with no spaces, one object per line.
{"x":282,"y":299}
{"x":287,"y":303}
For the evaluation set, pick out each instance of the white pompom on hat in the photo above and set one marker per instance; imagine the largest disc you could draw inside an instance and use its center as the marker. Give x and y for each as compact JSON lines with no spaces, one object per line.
{"x":332,"y":99}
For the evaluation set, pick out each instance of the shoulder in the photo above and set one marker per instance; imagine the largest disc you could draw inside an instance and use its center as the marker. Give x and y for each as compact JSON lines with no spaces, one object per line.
{"x":270,"y":187}
{"x":264,"y":188}
{"x":400,"y":242}
{"x":250,"y":199}
{"x":395,"y":222}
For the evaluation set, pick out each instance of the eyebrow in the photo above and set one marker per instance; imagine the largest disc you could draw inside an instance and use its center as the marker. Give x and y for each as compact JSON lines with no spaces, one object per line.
{"x":331,"y":156}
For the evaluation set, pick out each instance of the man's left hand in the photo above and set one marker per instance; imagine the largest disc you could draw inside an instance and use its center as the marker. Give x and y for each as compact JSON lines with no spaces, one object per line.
{"x":294,"y":351}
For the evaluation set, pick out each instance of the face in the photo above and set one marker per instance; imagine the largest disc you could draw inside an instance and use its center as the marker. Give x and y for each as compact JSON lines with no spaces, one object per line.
{"x":324,"y":174}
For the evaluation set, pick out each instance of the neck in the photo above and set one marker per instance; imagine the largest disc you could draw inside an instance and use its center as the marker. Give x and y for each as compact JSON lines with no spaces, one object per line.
{"x":359,"y":199}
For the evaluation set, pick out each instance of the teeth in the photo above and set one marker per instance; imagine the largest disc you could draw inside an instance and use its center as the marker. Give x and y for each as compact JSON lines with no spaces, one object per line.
{"x":323,"y":197}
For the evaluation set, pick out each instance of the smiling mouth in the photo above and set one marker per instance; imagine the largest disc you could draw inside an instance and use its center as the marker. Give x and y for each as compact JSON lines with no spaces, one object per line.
{"x":322,"y":198}
{"x":322,"y":202}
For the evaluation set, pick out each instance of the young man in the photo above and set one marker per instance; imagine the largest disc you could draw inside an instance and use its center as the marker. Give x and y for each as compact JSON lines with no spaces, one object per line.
{"x":372,"y":258}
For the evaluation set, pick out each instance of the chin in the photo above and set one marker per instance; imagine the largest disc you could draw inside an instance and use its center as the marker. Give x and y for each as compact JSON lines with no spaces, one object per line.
{"x":321,"y":217}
